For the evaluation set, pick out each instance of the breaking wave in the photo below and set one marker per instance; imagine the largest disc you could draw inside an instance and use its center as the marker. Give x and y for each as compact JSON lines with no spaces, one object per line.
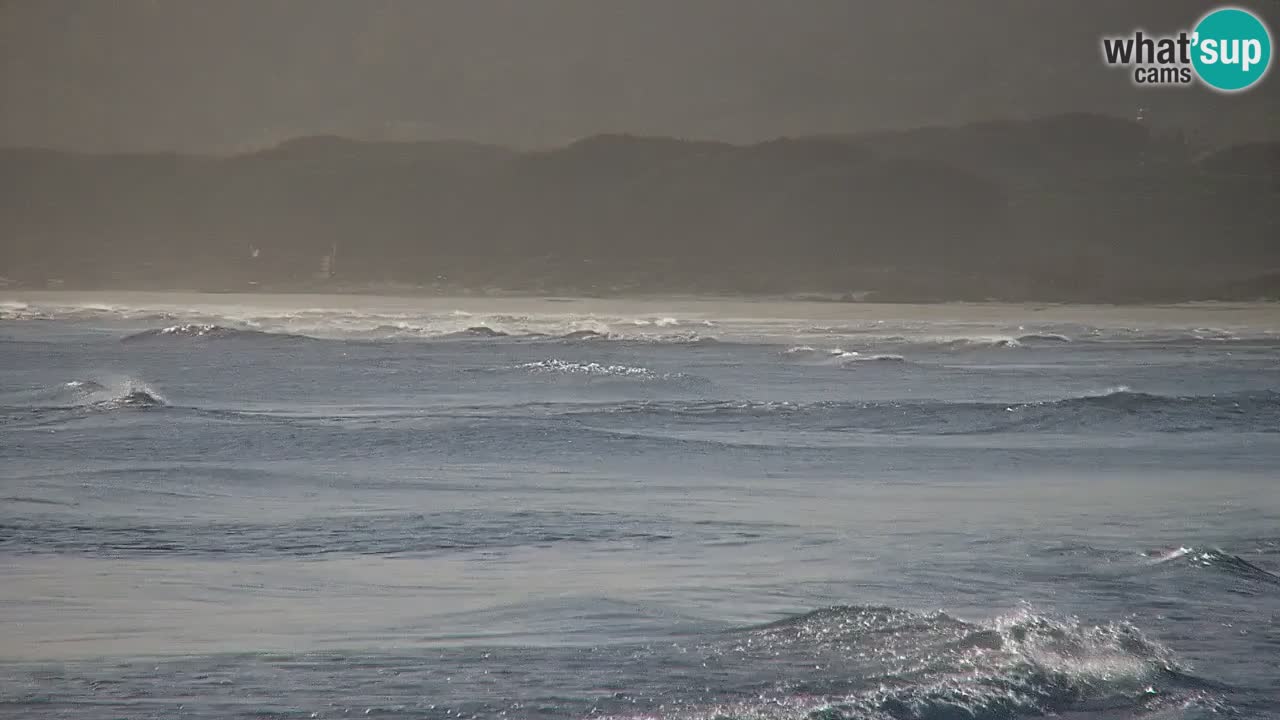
{"x":109,"y":395}
{"x":976,"y":343}
{"x":399,"y":323}
{"x":13,"y":310}
{"x":1043,"y":338}
{"x":586,"y":335}
{"x":78,"y":399}
{"x":565,"y":367}
{"x":855,"y":357}
{"x":800,"y":350}
{"x":883,"y":663}
{"x":1214,"y":559}
{"x":204,"y":331}
{"x":943,"y":342}
{"x":841,"y":356}
{"x":408,"y":331}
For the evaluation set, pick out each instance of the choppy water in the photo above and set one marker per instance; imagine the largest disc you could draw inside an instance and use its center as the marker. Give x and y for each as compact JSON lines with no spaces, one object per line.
{"x":288,"y":506}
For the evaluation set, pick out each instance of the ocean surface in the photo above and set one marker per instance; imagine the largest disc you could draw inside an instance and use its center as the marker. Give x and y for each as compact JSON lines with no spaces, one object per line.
{"x":236,"y":506}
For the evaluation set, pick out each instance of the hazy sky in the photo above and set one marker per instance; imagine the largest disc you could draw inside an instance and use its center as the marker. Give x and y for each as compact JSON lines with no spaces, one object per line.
{"x":229,"y":74}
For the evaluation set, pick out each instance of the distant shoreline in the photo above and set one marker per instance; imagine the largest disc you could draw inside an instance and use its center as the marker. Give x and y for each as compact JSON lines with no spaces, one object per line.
{"x":1074,"y":208}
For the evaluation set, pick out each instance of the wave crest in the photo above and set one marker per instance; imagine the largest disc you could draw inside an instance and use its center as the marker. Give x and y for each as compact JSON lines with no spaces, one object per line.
{"x":483,"y":331}
{"x":120,"y":393}
{"x":938,"y":666}
{"x":1120,"y":409}
{"x":203,"y":331}
{"x":1213,"y":559}
{"x":979,"y":343}
{"x":848,"y":358}
{"x":1043,"y":338}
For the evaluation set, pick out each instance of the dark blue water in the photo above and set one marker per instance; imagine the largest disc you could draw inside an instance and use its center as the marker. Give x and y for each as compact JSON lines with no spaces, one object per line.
{"x":288,"y":506}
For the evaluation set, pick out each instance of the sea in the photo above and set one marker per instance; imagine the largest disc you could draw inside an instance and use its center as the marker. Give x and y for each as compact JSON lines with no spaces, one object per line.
{"x":339,"y":506}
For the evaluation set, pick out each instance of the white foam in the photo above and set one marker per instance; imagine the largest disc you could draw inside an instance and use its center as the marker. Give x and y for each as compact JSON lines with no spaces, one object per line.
{"x":565,"y":367}
{"x":866,"y":327}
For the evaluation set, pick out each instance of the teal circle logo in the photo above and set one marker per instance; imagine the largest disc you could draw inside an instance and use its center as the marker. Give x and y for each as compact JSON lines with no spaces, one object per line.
{"x":1231,"y":49}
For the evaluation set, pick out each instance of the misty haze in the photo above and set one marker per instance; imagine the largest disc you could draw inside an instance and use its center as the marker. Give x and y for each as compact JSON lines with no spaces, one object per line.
{"x":833,"y":360}
{"x":908,"y":154}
